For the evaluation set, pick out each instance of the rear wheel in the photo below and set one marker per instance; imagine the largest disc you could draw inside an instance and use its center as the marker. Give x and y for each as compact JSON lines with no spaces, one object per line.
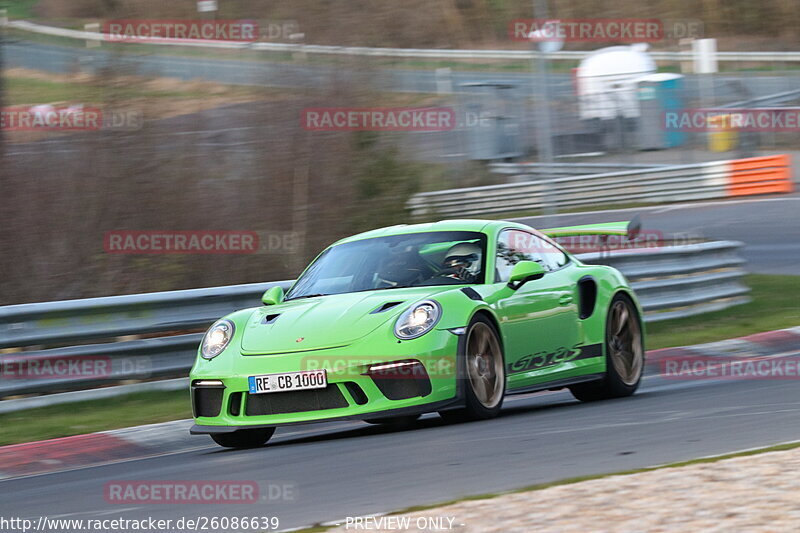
{"x":244,"y":438}
{"x":485,"y":380}
{"x":624,"y":355}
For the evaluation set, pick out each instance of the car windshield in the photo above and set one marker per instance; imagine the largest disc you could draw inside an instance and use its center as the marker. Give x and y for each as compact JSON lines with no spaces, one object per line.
{"x":410,"y":260}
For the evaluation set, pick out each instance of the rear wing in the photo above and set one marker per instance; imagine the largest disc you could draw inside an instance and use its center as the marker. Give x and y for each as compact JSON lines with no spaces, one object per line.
{"x":628,"y":229}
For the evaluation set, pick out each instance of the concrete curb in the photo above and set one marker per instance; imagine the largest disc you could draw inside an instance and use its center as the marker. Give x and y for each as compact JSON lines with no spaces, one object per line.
{"x":757,"y":345}
{"x":116,"y":445}
{"x":168,"y":437}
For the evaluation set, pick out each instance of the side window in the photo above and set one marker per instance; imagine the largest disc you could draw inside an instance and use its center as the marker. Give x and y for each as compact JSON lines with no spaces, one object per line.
{"x":515,"y":245}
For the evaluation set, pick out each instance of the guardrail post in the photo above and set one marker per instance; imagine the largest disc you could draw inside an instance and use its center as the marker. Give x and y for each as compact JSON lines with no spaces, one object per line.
{"x":95,"y":28}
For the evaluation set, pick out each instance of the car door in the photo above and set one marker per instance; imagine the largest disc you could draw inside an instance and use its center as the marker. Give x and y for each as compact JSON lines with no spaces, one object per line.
{"x":540,"y":319}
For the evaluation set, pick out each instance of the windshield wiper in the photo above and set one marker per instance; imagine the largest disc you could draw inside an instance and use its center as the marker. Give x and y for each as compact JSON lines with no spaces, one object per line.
{"x":305,"y":296}
{"x":385,"y":288}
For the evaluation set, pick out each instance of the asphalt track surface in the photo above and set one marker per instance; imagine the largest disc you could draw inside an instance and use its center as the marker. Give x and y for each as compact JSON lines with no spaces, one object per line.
{"x":352,"y":469}
{"x":769,"y":227}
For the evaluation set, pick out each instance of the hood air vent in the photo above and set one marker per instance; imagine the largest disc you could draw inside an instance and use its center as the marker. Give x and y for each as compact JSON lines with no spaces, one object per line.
{"x":385,"y":307}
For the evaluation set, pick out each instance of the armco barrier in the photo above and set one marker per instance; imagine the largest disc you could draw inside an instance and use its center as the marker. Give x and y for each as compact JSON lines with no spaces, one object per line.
{"x":681,"y":281}
{"x":659,"y":55}
{"x":76,"y":322}
{"x":703,"y":181}
{"x":760,"y":175}
{"x":672,"y":281}
{"x":134,"y":314}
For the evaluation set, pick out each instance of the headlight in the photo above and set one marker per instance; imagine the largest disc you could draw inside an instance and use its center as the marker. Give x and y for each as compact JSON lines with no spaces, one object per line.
{"x":417,"y":320}
{"x":217,"y":339}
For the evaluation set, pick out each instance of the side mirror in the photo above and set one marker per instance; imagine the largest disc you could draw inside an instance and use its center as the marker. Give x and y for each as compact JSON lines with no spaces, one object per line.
{"x":274,"y":295}
{"x":523,"y":272}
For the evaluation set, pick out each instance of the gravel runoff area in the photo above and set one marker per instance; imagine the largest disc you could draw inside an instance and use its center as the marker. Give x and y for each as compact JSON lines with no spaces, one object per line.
{"x":753,"y":493}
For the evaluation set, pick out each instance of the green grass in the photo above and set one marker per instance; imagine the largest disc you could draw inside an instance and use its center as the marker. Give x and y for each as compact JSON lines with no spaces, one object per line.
{"x":22,"y":90}
{"x":33,"y":91}
{"x":96,"y":415}
{"x":19,"y":9}
{"x":775,"y":305}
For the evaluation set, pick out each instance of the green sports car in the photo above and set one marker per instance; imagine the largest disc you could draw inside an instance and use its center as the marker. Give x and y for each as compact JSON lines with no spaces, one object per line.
{"x":445,"y":317}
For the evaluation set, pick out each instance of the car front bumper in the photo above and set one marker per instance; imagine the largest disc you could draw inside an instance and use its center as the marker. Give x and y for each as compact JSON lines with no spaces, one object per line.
{"x":425,"y":382}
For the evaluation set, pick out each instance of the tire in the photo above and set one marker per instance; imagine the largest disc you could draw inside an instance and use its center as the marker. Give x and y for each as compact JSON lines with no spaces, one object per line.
{"x":624,"y":348}
{"x":398,"y":422}
{"x":484,"y":376}
{"x":244,"y":438}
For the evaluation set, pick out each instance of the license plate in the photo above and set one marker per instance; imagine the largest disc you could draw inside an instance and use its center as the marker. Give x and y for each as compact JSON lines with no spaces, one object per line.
{"x":309,"y":379}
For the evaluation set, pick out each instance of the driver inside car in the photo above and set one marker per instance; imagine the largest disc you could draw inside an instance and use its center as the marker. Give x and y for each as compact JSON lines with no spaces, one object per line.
{"x":463,"y":262}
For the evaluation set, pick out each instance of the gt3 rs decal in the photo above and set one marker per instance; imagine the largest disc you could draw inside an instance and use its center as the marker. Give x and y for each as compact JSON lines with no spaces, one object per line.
{"x":539,"y":360}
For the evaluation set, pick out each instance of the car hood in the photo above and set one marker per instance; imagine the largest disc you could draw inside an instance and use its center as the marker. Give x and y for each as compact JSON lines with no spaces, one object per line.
{"x":326,"y":321}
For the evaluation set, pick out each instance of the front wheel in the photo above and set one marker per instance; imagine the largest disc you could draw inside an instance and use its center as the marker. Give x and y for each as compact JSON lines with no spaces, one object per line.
{"x":244,"y":438}
{"x":624,"y":354}
{"x":485,"y":380}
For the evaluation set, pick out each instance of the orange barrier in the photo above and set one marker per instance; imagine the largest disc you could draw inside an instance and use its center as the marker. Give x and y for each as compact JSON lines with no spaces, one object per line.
{"x":760,"y":175}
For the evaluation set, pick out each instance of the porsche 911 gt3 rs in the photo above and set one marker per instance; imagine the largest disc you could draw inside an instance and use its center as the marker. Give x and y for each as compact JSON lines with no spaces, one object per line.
{"x":445,"y":317}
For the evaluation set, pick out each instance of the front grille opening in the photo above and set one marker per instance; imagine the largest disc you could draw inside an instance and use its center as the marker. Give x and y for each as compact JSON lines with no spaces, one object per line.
{"x":207,"y":401}
{"x":402,"y":382}
{"x":235,"y":404}
{"x":294,"y":401}
{"x":356,"y":392}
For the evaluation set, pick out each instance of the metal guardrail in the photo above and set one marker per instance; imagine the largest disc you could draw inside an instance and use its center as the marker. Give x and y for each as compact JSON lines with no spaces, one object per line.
{"x":529,"y":191}
{"x":672,"y":281}
{"x":681,"y":281}
{"x":528,"y":171}
{"x":396,"y":52}
{"x":659,"y":184}
{"x":159,"y":315}
{"x":769,"y":100}
{"x":135,"y":314}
